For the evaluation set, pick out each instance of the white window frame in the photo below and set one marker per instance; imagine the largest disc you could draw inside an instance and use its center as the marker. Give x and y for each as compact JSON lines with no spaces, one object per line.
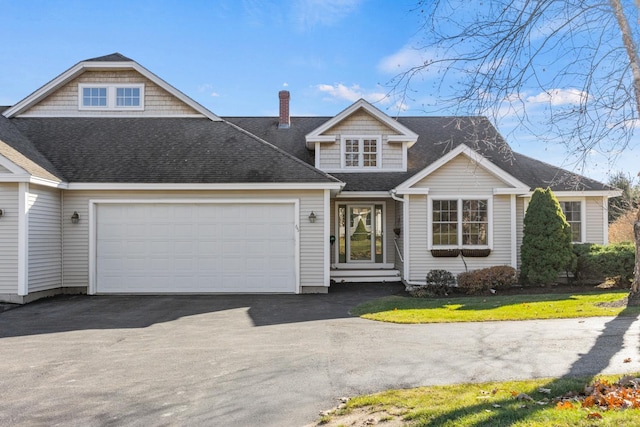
{"x":583,"y":216}
{"x":460,"y":199}
{"x":360,"y":139}
{"x":111,"y":97}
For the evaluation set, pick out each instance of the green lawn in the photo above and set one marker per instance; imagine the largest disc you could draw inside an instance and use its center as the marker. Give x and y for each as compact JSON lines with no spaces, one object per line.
{"x":401,"y":309}
{"x":478,"y":405}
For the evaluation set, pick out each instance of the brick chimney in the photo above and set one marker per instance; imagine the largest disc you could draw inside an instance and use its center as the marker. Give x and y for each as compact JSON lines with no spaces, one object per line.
{"x":284,"y":121}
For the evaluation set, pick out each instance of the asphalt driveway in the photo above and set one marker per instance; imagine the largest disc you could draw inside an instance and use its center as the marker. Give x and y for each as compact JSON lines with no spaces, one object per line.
{"x":271,"y":360}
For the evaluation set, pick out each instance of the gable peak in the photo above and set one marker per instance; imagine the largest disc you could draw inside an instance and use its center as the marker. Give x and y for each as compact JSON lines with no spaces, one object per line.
{"x":113,"y":57}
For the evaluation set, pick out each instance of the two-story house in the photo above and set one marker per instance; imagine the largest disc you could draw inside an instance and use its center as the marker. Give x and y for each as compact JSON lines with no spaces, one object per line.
{"x":113,"y":181}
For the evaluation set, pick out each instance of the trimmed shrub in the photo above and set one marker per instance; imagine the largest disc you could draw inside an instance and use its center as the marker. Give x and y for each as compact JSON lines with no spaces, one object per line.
{"x":440,"y":278}
{"x":361,"y":231}
{"x":599,"y":262}
{"x":546,"y":244}
{"x":439,"y":283}
{"x":479,"y":281}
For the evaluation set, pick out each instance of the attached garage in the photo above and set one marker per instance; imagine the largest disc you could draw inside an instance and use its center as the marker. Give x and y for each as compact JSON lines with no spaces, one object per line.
{"x":196,"y":247}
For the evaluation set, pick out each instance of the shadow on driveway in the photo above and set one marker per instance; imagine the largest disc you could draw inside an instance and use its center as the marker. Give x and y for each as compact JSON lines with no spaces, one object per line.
{"x":81,"y":312}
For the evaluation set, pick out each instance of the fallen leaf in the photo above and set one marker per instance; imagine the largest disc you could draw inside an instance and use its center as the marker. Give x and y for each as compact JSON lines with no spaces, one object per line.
{"x":627,"y":360}
{"x":594,"y":416}
{"x":524,"y":396}
{"x":564,"y":405}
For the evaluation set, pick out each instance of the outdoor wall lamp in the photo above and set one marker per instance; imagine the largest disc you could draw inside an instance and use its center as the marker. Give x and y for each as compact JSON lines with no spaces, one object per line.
{"x":1,"y":212}
{"x":75,"y":218}
{"x":312,"y":217}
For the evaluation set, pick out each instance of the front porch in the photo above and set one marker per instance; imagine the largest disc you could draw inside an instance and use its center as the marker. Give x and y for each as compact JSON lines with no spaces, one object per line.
{"x":365,"y":275}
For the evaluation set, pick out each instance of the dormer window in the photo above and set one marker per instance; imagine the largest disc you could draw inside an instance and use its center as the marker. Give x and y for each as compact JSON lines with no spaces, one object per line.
{"x":361,"y":152}
{"x":111,"y":97}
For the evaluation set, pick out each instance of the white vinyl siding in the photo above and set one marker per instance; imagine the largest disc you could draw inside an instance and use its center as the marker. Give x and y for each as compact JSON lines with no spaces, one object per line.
{"x":64,"y":102}
{"x":460,"y":176}
{"x":361,"y":125}
{"x":312,"y":236}
{"x":45,"y":239}
{"x":9,"y":239}
{"x":595,"y":226}
{"x":329,"y":154}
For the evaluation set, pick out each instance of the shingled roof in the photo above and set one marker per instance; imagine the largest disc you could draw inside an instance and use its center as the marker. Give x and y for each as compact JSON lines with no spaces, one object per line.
{"x":160,"y":150}
{"x":437,"y":136}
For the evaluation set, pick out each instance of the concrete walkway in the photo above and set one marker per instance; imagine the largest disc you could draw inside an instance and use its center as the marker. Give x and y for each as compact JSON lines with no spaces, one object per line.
{"x":263,"y":360}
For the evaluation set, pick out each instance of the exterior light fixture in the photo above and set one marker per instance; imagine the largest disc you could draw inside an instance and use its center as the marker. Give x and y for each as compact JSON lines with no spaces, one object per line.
{"x":1,"y":212}
{"x":75,"y":218}
{"x":312,"y":217}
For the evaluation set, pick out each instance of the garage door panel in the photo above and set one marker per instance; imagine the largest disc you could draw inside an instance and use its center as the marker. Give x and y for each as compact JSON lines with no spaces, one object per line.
{"x":196,"y":248}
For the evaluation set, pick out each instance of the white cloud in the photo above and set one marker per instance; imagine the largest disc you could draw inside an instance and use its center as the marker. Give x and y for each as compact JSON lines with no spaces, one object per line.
{"x":309,"y":13}
{"x":352,"y":93}
{"x":559,"y":97}
{"x":404,"y":59}
{"x":208,"y":88}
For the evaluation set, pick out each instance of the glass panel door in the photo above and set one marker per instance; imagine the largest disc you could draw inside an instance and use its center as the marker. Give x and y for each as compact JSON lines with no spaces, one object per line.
{"x":361,"y":234}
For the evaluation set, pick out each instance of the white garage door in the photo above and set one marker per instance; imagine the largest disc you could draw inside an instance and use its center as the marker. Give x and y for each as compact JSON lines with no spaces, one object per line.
{"x":195,"y":248}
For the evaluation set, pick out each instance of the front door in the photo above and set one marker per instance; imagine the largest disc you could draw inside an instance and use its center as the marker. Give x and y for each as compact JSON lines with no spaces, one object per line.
{"x":360,"y":233}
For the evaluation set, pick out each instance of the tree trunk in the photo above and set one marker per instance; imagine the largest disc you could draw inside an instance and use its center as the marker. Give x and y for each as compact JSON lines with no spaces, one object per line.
{"x":634,"y":294}
{"x":634,"y":61}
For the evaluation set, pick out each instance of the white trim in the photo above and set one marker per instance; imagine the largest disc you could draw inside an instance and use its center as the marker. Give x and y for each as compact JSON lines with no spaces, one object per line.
{"x":361,"y":153}
{"x":417,"y":191}
{"x":92,"y":289}
{"x":369,"y":169}
{"x":12,"y":167}
{"x":81,"y":67}
{"x":481,"y":161}
{"x":583,"y":214}
{"x":33,"y":180}
{"x":105,"y":114}
{"x":111,"y":96}
{"x":211,"y":186}
{"x":362,"y":194}
{"x":605,"y":220}
{"x":406,"y":236}
{"x":459,"y":245}
{"x":514,"y":231}
{"x":511,"y":191}
{"x":326,"y":243}
{"x":585,"y":193}
{"x":23,"y":239}
{"x":408,"y":135}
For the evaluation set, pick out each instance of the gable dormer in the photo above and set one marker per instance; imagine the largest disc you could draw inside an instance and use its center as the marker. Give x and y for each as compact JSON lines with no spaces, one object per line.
{"x":108,"y":86}
{"x":361,"y":139}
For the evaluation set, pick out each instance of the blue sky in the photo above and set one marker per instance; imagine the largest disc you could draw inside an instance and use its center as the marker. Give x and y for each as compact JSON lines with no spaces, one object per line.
{"x":233,"y":56}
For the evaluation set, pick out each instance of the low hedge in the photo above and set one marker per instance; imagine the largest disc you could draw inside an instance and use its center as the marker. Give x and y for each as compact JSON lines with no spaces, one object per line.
{"x":497,"y":277}
{"x":599,"y":262}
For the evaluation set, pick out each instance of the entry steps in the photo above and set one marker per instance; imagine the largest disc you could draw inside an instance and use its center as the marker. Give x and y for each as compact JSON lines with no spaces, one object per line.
{"x":365,"y":275}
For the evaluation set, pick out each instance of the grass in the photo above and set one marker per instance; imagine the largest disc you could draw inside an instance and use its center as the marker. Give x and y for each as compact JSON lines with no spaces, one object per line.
{"x":490,"y":404}
{"x":400,"y":309}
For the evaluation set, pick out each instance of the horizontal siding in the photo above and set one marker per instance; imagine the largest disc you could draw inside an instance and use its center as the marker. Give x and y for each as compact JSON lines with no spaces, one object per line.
{"x":360,"y":123}
{"x":330,"y":156}
{"x":595,"y":220}
{"x":460,"y":176}
{"x":421,"y":261}
{"x":76,"y":236}
{"x":392,"y":155}
{"x":45,"y":239}
{"x":9,"y":239}
{"x":65,"y":100}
